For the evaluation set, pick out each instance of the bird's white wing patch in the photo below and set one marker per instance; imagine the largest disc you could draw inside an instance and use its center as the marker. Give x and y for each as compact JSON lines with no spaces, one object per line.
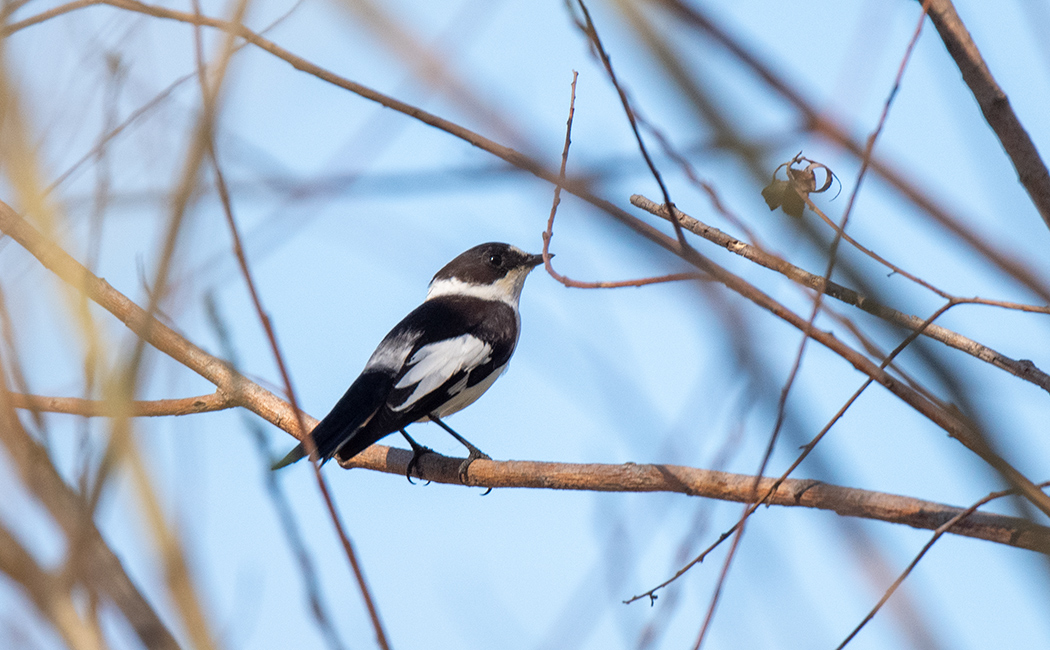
{"x":434,"y":363}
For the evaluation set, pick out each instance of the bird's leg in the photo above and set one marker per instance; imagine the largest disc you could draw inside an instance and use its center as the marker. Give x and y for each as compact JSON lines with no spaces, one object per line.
{"x":474,"y":454}
{"x":418,"y":451}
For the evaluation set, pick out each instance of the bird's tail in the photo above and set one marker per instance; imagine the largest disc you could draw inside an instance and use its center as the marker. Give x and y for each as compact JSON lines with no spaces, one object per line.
{"x":297,"y":453}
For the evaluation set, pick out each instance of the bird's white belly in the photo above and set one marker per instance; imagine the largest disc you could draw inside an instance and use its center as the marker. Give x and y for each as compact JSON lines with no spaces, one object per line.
{"x":468,"y":395}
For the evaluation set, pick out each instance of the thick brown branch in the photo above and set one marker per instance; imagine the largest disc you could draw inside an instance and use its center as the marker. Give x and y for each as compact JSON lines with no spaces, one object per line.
{"x":630,"y":477}
{"x":1025,"y":370}
{"x":92,"y":408}
{"x":1031,"y":170}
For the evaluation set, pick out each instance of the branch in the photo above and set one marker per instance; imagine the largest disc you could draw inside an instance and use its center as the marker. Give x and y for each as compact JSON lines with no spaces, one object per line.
{"x":725,"y":486}
{"x":995,"y":105}
{"x":93,"y":408}
{"x":1023,"y":369}
{"x":950,"y":422}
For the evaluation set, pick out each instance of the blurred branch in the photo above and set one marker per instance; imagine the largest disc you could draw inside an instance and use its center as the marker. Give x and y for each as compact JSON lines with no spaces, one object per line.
{"x":92,"y":408}
{"x":90,"y":559}
{"x":995,"y":105}
{"x":49,"y":593}
{"x":1023,"y":369}
{"x":725,"y":486}
{"x":282,"y":507}
{"x":163,"y":338}
{"x":311,"y":449}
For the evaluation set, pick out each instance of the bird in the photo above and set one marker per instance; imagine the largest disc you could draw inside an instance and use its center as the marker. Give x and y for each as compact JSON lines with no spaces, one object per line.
{"x":438,"y":360}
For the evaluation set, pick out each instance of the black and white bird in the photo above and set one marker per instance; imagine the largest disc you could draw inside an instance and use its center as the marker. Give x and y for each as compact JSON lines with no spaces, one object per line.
{"x":437,"y":360}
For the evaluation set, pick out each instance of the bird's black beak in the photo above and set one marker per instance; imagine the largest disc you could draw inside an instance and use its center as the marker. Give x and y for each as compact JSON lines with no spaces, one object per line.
{"x":536,"y":260}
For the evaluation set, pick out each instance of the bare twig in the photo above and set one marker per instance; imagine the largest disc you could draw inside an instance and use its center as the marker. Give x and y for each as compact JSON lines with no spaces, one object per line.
{"x":548,"y":234}
{"x":589,"y":30}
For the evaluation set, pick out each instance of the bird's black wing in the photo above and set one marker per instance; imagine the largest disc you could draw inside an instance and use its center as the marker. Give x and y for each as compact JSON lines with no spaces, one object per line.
{"x":365,"y":397}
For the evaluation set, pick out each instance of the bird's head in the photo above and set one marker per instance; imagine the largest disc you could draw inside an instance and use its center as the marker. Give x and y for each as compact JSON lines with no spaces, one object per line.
{"x":492,"y":271}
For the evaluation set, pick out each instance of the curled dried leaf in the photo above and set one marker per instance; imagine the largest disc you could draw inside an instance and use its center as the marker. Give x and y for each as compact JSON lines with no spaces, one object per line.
{"x":790,"y":194}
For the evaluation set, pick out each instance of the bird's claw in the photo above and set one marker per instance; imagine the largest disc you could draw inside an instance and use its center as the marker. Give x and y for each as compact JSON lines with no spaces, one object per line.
{"x":474,"y":454}
{"x":418,"y":451}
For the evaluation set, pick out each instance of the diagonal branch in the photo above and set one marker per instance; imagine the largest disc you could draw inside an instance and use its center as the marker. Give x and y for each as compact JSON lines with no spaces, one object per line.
{"x":1023,"y":369}
{"x":995,"y":105}
{"x":254,"y":397}
{"x":47,"y":591}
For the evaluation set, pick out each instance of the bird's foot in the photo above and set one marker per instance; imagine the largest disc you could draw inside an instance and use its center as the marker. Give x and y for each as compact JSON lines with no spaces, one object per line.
{"x":474,"y":454}
{"x":418,"y":451}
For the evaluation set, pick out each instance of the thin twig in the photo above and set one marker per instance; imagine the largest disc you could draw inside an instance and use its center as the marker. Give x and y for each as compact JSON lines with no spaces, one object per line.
{"x":806,"y":450}
{"x":282,"y":507}
{"x":548,"y":234}
{"x":937,"y":534}
{"x":591,"y":32}
{"x":817,"y":121}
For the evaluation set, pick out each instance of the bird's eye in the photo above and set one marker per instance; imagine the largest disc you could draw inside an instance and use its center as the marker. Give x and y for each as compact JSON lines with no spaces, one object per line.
{"x":496,"y":259}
